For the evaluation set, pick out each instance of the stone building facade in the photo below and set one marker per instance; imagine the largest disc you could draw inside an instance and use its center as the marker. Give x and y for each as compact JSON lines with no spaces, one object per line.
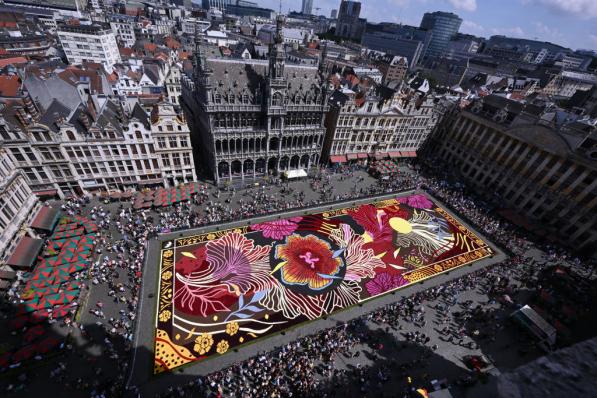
{"x":17,"y":201}
{"x":380,"y":124}
{"x":540,"y":172}
{"x":250,"y":118}
{"x":95,"y":149}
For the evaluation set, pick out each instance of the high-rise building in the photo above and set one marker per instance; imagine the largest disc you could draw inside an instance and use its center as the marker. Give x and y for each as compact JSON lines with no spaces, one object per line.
{"x":223,"y":4}
{"x":250,"y":117}
{"x":89,"y":43}
{"x":402,"y":40}
{"x":334,"y":14}
{"x":71,"y":8}
{"x":349,"y":25}
{"x":444,"y":25}
{"x":307,"y":8}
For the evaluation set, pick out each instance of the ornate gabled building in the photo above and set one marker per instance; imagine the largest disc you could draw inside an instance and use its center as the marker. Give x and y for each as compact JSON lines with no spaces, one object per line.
{"x":250,"y":118}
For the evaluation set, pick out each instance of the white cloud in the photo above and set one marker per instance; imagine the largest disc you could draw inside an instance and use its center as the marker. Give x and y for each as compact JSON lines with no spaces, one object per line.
{"x":471,"y":27}
{"x":593,"y":39}
{"x":465,"y":5}
{"x":547,"y":31}
{"x":580,"y":8}
{"x":514,"y":31}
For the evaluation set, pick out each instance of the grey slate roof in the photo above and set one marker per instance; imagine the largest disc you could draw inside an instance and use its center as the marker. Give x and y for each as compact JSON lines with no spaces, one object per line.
{"x":55,"y":111}
{"x":234,"y":75}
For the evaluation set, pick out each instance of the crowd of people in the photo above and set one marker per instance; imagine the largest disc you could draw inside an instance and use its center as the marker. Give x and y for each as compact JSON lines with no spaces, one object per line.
{"x":308,"y":366}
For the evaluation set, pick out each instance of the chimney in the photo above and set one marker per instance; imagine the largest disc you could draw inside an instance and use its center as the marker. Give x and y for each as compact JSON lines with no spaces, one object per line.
{"x":22,"y":116}
{"x":84,"y":119}
{"x":30,"y":105}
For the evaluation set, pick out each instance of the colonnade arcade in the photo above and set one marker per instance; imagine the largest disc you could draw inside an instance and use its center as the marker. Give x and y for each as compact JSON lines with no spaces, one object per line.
{"x":262,"y":166}
{"x":252,"y":145}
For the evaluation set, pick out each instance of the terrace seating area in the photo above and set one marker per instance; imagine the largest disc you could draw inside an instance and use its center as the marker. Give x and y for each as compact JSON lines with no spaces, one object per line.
{"x":50,"y":291}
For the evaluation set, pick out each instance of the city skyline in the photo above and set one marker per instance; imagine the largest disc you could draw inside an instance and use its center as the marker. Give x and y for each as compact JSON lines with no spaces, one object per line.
{"x":569,"y":23}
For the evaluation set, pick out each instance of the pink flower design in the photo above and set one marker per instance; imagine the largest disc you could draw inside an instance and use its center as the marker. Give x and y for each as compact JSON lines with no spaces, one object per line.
{"x":278,"y":229}
{"x":233,"y":265}
{"x":417,"y":201}
{"x":384,"y":282}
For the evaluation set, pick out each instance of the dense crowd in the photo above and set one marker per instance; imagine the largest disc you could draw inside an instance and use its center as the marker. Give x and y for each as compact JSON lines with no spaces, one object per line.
{"x":308,"y":366}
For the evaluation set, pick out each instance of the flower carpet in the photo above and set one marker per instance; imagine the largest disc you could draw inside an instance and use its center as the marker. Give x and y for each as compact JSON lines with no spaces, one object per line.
{"x":222,"y":289}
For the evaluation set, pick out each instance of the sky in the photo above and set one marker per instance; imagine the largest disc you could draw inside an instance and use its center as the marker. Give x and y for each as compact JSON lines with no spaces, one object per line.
{"x":571,"y":23}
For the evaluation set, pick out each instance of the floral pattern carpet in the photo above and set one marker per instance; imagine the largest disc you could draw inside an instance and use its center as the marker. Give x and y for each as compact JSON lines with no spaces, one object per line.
{"x":222,"y":289}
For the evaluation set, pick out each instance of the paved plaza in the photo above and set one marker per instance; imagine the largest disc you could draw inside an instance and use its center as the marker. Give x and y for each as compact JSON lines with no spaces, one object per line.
{"x":105,"y":349}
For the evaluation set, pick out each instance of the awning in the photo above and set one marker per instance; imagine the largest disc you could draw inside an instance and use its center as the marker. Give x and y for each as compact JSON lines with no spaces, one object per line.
{"x":362,"y":155}
{"x":380,"y":155}
{"x":47,"y":192}
{"x":8,"y":275}
{"x":46,"y":218}
{"x":151,"y":182}
{"x":338,"y":159}
{"x":395,"y":154}
{"x":25,"y":253}
{"x":411,"y":154}
{"x":535,"y":323}
{"x":351,"y":156}
{"x":290,"y":174}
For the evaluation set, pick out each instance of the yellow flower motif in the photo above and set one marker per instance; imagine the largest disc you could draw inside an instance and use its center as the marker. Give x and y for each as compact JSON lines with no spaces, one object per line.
{"x":203,"y":343}
{"x":168,"y":253}
{"x":232,"y":328}
{"x":211,"y":236}
{"x":165,"y":316}
{"x":222,"y":347}
{"x":168,"y":293}
{"x":167,"y":275}
{"x":237,"y":231}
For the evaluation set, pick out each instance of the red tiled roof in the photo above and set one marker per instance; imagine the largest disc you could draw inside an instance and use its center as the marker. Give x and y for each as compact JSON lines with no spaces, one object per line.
{"x":151,"y":47}
{"x":13,"y":60}
{"x":9,"y":85}
{"x":126,"y":51}
{"x":171,"y":43}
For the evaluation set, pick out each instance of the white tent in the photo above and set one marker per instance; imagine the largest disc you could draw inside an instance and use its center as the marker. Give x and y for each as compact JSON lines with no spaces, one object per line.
{"x":290,"y":174}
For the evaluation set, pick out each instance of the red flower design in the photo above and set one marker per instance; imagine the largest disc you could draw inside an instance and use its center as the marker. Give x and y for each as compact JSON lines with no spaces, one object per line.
{"x":309,"y":261}
{"x":379,"y":234}
{"x":186,"y":265}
